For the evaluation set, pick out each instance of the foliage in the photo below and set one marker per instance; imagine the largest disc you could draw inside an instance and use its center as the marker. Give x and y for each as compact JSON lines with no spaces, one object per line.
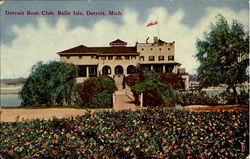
{"x":107,"y":84}
{"x":95,"y":89}
{"x":199,"y":99}
{"x":169,"y":96}
{"x":101,"y":100}
{"x":155,"y":93}
{"x":151,"y":133}
{"x":147,"y":75}
{"x":152,"y":98}
{"x":49,"y":84}
{"x":132,"y":79}
{"x":244,"y":97}
{"x":144,"y":86}
{"x":173,"y":79}
{"x":223,"y":55}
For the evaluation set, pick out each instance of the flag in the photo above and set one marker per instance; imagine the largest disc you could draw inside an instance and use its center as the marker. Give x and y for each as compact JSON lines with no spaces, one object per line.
{"x":152,"y":23}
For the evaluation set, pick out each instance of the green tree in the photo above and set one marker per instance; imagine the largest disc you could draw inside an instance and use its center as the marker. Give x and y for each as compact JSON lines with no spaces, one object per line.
{"x":223,"y":55}
{"x":49,"y":84}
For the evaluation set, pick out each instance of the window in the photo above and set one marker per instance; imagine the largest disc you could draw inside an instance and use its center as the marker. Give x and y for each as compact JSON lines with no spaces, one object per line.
{"x":127,"y":57}
{"x":92,"y":57}
{"x":92,"y":71}
{"x":67,"y":56}
{"x":82,"y":71}
{"x":159,"y":48}
{"x":151,"y":49}
{"x":168,"y":48}
{"x":151,"y":58}
{"x":142,"y":49}
{"x":80,"y":57}
{"x":171,"y":58}
{"x":161,"y":58}
{"x":141,"y":58}
{"x":110,"y":57}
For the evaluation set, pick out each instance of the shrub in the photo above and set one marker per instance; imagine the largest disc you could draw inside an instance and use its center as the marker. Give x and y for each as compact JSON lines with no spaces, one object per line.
{"x":101,"y":100}
{"x":168,"y":94}
{"x":244,"y":97}
{"x":155,"y":93}
{"x":173,"y":79}
{"x":94,"y":90}
{"x":88,"y":90}
{"x":198,"y":99}
{"x":151,"y":133}
{"x":107,"y":84}
{"x":147,"y":75}
{"x":152,"y":98}
{"x":132,"y":79}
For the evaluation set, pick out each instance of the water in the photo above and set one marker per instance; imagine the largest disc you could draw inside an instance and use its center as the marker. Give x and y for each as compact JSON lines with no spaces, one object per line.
{"x":10,"y":100}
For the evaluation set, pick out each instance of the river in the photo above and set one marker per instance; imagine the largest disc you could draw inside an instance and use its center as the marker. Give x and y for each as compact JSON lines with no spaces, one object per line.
{"x":10,"y":100}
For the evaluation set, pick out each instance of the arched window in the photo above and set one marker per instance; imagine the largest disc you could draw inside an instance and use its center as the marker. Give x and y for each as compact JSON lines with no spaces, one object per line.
{"x":106,"y":70}
{"x":118,"y":70}
{"x":131,"y":69}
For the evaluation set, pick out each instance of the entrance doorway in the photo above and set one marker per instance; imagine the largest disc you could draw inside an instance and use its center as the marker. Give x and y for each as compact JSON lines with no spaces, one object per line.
{"x":106,"y":70}
{"x":118,"y":70}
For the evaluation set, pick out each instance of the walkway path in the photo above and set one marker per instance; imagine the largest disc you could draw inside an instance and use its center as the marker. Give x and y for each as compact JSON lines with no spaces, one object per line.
{"x":123,"y":102}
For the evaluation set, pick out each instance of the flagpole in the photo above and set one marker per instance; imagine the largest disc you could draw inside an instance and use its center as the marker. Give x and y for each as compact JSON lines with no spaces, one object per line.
{"x":158,"y":28}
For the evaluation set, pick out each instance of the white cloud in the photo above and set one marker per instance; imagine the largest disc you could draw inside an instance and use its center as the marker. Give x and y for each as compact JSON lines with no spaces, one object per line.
{"x":41,"y":43}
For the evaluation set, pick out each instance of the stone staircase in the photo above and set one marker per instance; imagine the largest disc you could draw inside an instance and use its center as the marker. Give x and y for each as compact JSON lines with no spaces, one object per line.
{"x":118,"y":81}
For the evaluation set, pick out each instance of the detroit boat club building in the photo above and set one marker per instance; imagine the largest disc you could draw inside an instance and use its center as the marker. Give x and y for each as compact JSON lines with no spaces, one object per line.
{"x":119,"y":60}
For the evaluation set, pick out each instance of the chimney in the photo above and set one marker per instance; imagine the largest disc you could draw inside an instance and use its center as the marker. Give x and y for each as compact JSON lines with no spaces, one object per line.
{"x":156,"y":40}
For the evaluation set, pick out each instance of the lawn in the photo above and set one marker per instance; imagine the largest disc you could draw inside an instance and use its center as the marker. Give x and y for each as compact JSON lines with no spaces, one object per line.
{"x":151,"y":133}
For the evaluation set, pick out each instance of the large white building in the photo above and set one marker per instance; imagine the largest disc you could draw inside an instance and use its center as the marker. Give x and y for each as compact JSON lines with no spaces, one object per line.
{"x":119,"y":59}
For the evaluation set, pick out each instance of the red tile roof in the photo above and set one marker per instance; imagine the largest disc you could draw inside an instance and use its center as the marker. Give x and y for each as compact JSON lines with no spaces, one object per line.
{"x":100,"y":50}
{"x":118,"y":41}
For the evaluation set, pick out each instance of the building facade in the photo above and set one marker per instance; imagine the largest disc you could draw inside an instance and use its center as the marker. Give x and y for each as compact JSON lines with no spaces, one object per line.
{"x":120,"y":60}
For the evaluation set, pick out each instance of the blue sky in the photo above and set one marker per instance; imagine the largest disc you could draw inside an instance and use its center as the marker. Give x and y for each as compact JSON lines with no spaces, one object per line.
{"x":25,"y":40}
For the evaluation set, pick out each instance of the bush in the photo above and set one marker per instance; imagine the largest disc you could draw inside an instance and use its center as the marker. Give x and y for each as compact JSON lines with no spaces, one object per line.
{"x":244,"y":97}
{"x":152,"y":98}
{"x":88,"y":90}
{"x":94,"y":90}
{"x":155,"y":93}
{"x":107,"y":84}
{"x":102,"y":100}
{"x":198,"y":99}
{"x":151,"y":133}
{"x":173,"y":79}
{"x":132,"y":79}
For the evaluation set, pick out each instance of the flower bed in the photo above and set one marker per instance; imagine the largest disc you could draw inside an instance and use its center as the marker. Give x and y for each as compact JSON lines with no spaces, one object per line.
{"x":152,"y":133}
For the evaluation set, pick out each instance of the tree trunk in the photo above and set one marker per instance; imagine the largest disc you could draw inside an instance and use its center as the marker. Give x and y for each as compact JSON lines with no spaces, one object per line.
{"x":235,"y":96}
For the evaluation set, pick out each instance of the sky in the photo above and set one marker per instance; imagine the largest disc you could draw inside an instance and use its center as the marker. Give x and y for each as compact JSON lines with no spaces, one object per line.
{"x":28,"y":39}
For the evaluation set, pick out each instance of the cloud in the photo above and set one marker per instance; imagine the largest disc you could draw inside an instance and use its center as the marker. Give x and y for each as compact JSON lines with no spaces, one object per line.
{"x":41,"y":42}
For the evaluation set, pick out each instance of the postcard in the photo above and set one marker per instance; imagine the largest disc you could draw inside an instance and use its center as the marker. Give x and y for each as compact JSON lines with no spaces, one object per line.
{"x":64,"y":58}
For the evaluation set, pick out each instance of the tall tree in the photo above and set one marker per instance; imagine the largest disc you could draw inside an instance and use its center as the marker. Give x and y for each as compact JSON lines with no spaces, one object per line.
{"x":49,"y":84}
{"x":223,"y":55}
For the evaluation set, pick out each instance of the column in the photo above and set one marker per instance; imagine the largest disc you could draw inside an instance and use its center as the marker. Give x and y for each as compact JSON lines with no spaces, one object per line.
{"x":141,"y":103}
{"x":151,"y":68}
{"x":175,"y":69}
{"x":164,"y":69}
{"x":87,"y":71}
